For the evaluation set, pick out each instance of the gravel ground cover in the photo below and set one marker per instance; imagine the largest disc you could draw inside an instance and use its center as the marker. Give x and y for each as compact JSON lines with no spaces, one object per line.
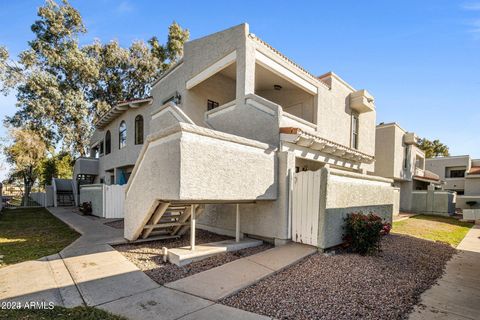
{"x":147,"y":256}
{"x":117,"y":224}
{"x":350,"y":286}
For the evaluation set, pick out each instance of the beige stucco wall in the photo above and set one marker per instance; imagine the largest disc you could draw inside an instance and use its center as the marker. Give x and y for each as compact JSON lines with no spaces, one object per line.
{"x":472,"y":186}
{"x":439,"y":165}
{"x":390,"y":152}
{"x":346,"y":193}
{"x":433,"y":202}
{"x":266,"y":219}
{"x":127,"y":155}
{"x":188,"y":163}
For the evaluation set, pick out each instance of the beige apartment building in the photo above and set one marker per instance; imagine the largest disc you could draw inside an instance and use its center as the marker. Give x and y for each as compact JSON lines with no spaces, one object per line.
{"x":238,"y":138}
{"x":461,"y":173}
{"x":399,"y":158}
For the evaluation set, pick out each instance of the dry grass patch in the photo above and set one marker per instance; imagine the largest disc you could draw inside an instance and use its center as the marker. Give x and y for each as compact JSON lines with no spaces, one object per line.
{"x":434,"y":228}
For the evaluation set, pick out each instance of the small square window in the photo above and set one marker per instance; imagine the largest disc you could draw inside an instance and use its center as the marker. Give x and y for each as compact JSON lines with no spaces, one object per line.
{"x":212,"y":105}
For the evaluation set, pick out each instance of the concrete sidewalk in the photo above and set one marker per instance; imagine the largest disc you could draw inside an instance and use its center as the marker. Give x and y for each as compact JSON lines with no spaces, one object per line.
{"x":457,"y":294}
{"x":90,"y":272}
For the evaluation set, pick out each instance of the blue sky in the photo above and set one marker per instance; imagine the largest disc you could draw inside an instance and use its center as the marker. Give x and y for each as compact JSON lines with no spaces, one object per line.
{"x":420,"y":59}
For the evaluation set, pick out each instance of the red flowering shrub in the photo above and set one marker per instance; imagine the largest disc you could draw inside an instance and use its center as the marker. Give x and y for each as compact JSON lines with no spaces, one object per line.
{"x":363,"y":232}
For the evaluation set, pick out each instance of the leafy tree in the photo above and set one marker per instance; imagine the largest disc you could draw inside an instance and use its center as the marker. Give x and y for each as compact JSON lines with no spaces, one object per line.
{"x":61,"y":87}
{"x":433,"y":148}
{"x":25,"y":153}
{"x":56,"y":166}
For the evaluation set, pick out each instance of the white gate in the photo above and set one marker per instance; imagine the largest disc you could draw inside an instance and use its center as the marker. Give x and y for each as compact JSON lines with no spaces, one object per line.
{"x":114,"y":196}
{"x":306,"y":207}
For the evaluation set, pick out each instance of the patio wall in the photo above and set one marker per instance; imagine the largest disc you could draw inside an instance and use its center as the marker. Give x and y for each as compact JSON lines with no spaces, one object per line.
{"x":93,"y":193}
{"x":434,"y":202}
{"x":347,"y":192}
{"x":461,"y":202}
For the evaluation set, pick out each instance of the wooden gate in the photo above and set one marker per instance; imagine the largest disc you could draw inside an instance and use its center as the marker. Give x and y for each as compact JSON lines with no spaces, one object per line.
{"x":305,"y":207}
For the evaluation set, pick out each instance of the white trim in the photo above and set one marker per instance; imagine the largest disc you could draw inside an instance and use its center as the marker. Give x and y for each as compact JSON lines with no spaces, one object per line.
{"x":283,"y":72}
{"x":213,"y":69}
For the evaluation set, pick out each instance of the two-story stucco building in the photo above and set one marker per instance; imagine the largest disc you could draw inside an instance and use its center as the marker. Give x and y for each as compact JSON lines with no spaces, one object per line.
{"x":461,"y":173}
{"x":239,"y":133}
{"x":398,"y":157}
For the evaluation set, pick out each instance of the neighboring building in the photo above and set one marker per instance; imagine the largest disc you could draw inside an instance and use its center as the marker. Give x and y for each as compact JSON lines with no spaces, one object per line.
{"x":461,"y":173}
{"x":231,"y":129}
{"x":398,"y":157}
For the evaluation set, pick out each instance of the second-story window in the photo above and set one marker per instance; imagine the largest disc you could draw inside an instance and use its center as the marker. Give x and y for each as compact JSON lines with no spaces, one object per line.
{"x":457,"y":173}
{"x":139,"y":129}
{"x":405,"y":157}
{"x":212,"y":105}
{"x":122,"y":135}
{"x":355,"y":130}
{"x":108,"y":142}
{"x":100,"y":148}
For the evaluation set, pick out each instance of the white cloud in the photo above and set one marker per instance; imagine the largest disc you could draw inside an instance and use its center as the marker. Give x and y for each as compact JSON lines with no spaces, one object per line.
{"x":471,"y":6}
{"x":124,"y":7}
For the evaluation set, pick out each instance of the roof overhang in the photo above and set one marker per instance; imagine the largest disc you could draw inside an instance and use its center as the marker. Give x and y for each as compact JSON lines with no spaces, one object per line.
{"x":425,"y":179}
{"x":118,"y":109}
{"x":309,"y":140}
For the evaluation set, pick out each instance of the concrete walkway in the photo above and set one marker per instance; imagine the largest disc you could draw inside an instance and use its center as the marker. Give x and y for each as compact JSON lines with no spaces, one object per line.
{"x":225,"y":280}
{"x":90,"y":272}
{"x":457,"y":293}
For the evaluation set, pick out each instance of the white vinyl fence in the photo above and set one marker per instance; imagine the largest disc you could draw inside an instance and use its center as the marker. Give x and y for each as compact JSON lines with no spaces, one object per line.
{"x":305,"y":207}
{"x":114,"y":200}
{"x":39,"y":197}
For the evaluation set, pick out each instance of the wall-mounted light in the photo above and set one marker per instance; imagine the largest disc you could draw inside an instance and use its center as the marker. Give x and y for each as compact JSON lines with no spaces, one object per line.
{"x":277,"y":87}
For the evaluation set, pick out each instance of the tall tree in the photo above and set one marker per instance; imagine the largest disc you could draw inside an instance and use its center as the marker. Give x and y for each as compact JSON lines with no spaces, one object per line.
{"x":61,"y":87}
{"x":55,"y":166}
{"x":25,"y":153}
{"x":433,"y":148}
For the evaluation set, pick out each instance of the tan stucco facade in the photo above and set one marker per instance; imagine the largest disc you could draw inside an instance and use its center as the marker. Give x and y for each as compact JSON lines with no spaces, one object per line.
{"x":231,"y":122}
{"x":459,"y":172}
{"x":398,"y":157}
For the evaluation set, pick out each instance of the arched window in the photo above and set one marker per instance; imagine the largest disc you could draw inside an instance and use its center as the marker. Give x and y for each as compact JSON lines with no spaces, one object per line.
{"x":108,"y":142}
{"x":139,"y":129}
{"x":122,"y":135}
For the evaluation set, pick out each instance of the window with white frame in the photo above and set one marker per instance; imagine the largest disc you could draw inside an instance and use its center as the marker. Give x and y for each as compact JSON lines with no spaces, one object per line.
{"x":355,"y":125}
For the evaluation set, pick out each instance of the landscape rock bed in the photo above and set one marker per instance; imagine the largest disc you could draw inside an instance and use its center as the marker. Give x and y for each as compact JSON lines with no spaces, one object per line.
{"x":349,"y":286}
{"x":147,"y":256}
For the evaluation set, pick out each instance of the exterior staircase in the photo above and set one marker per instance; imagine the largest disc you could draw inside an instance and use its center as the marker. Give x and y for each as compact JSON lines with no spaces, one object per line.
{"x":65,"y":199}
{"x":170,"y":220}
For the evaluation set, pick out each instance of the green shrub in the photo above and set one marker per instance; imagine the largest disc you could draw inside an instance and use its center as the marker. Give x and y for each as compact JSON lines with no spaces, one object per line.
{"x":364,"y":232}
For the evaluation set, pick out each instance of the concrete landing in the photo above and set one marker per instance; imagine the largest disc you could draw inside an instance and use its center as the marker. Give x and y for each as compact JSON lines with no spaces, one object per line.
{"x":183,"y":256}
{"x":225,"y":280}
